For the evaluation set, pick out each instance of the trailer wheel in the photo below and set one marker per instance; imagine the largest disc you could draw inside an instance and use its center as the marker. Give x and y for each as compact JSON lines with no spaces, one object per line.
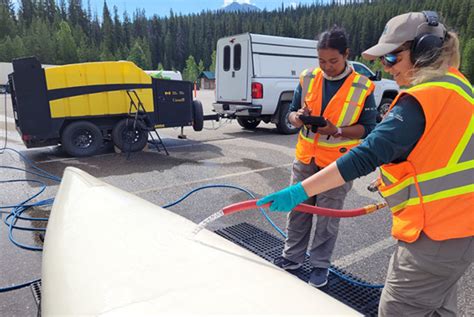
{"x":248,"y":123}
{"x":198,"y":116}
{"x":383,"y":108}
{"x":284,"y":126}
{"x":129,"y":136}
{"x":81,"y":138}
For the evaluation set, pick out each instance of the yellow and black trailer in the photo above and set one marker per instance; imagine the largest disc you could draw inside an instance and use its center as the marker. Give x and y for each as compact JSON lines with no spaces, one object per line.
{"x":81,"y":105}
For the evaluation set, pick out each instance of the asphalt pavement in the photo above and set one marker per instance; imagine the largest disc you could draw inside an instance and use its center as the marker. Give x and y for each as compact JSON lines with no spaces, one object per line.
{"x":223,"y":153}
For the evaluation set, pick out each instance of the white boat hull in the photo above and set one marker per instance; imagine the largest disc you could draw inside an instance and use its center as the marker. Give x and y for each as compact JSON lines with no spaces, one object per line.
{"x":110,"y":253}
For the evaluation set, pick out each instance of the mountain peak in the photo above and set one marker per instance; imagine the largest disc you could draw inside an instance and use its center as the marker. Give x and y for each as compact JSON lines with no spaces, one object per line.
{"x":240,"y":7}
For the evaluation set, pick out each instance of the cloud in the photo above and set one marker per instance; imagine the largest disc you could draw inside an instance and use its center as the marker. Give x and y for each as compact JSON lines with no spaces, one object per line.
{"x":227,"y":2}
{"x":293,"y":4}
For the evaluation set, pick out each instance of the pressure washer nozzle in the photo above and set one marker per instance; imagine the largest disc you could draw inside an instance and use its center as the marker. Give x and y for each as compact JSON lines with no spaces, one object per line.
{"x":374,"y":207}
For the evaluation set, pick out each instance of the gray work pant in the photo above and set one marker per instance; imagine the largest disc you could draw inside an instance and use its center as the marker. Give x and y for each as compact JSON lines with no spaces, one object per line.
{"x":422,"y":276}
{"x":298,"y":226}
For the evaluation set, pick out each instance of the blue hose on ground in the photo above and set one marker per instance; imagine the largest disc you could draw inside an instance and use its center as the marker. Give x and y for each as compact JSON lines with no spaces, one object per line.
{"x":15,"y":287}
{"x":18,"y":209}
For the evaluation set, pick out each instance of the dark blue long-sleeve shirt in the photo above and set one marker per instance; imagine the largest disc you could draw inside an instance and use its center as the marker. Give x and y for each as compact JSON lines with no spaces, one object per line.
{"x":367,"y":117}
{"x":391,"y":141}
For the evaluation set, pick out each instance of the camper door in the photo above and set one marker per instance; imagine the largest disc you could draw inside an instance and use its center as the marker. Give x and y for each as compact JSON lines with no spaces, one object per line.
{"x":232,"y":75}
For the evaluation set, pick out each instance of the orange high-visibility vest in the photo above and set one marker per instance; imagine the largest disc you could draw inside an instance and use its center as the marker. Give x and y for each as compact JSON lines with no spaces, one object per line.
{"x":433,"y":191}
{"x":343,"y":110}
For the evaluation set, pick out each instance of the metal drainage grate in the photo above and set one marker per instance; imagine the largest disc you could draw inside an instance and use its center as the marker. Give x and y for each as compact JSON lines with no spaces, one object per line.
{"x":364,"y":300}
{"x":36,"y":290}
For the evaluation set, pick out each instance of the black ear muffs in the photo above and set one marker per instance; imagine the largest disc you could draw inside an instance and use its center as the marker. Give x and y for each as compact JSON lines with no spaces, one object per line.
{"x":426,"y":47}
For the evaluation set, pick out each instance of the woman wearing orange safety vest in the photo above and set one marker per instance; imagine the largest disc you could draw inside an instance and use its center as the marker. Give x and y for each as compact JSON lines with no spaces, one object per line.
{"x":344,"y":98}
{"x":427,"y":167}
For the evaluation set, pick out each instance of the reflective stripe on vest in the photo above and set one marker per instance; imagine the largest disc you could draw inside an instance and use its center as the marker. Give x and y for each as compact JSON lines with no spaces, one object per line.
{"x":387,"y":178}
{"x":443,"y":183}
{"x":465,"y":149}
{"x":308,"y":82}
{"x":355,"y":97}
{"x":348,"y":116}
{"x":452,"y":82}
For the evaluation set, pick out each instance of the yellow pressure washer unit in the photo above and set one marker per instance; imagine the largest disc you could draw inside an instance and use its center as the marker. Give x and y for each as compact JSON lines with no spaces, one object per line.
{"x":81,"y":105}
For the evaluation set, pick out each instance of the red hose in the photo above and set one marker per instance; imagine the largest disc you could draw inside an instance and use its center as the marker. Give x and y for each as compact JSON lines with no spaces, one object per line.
{"x":251,"y":204}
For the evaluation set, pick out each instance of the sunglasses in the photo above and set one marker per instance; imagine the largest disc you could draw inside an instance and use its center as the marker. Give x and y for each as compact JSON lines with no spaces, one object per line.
{"x":390,"y":59}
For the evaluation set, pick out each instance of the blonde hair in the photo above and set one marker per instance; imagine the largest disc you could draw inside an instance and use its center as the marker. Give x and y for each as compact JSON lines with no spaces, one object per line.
{"x":449,"y":56}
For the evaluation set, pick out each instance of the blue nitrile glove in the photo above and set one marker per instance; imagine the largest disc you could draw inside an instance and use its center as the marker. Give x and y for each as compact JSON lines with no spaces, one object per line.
{"x":285,"y":199}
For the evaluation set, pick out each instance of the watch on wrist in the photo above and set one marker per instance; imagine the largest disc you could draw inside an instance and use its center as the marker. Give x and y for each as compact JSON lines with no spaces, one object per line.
{"x":338,"y":132}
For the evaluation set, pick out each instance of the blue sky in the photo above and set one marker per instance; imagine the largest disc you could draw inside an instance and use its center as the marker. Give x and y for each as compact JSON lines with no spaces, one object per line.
{"x":162,"y":7}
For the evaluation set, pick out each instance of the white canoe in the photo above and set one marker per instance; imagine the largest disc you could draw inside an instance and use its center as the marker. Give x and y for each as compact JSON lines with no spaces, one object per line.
{"x":110,"y":253}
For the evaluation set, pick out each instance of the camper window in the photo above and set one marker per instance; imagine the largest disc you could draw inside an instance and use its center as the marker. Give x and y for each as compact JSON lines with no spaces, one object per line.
{"x":237,"y":56}
{"x":226,"y":58}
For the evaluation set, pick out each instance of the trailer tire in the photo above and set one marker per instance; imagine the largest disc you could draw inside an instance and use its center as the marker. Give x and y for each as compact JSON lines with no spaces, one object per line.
{"x":128,"y":136}
{"x":383,"y":108}
{"x":198,"y":116}
{"x":81,"y":138}
{"x":284,"y":126}
{"x":248,"y":123}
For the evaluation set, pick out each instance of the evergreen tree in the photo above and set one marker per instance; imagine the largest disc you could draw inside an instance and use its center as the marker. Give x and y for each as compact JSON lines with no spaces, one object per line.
{"x":7,"y":22}
{"x":87,"y":52}
{"x":146,"y":50}
{"x":108,"y":47}
{"x":51,"y":11}
{"x":200,"y":67}
{"x":467,"y":66}
{"x":138,"y":56}
{"x":66,"y":48}
{"x":191,"y":71}
{"x":212,"y":68}
{"x":117,"y":29}
{"x":10,"y":49}
{"x":39,"y":42}
{"x":27,"y":12}
{"x":105,"y":54}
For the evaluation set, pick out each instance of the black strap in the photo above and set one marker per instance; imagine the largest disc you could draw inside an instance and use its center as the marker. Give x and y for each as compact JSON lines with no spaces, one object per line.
{"x":431,"y":18}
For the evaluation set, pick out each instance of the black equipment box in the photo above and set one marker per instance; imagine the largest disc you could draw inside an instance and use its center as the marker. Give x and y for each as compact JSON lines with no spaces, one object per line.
{"x":173,"y":102}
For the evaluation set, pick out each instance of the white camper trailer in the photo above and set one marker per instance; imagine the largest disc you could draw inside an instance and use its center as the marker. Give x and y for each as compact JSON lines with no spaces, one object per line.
{"x":257,"y":74}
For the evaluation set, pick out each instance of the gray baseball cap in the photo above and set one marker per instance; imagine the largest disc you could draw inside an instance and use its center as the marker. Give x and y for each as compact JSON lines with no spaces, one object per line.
{"x":401,"y":29}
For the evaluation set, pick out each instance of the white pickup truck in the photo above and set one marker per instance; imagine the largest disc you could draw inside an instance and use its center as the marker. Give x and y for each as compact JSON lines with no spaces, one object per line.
{"x":257,"y":74}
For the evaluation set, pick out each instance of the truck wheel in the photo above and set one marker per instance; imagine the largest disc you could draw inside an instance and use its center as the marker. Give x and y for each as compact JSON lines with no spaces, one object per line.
{"x":383,"y":108}
{"x":198,"y":116}
{"x":81,"y":138}
{"x":248,"y":123}
{"x":129,"y":137}
{"x":284,"y":126}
